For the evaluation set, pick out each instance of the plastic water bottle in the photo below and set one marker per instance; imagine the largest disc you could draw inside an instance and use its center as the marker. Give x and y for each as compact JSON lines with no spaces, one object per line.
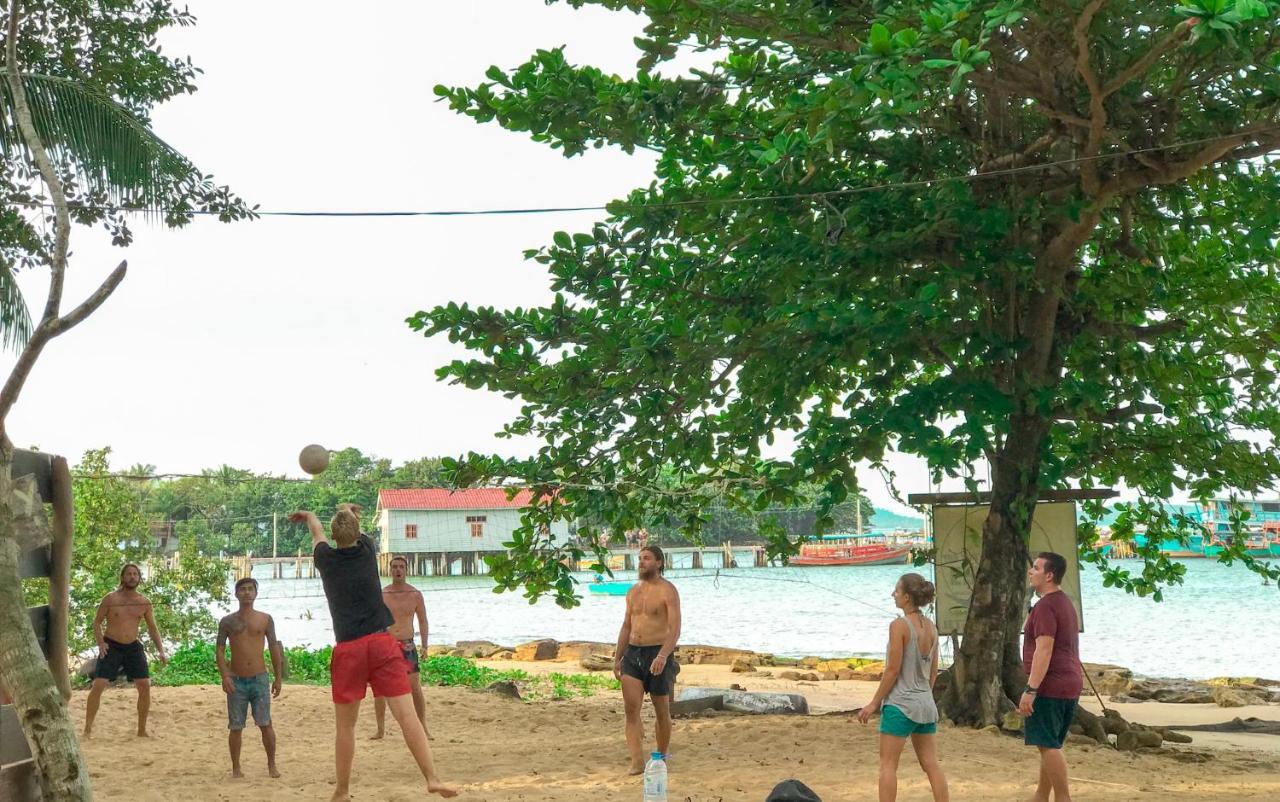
{"x":655,"y":778}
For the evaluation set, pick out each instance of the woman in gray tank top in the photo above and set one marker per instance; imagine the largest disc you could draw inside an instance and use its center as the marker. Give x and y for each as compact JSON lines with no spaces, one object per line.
{"x":905,"y":695}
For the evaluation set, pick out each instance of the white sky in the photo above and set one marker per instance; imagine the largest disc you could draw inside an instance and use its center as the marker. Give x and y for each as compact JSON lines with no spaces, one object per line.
{"x":241,"y":343}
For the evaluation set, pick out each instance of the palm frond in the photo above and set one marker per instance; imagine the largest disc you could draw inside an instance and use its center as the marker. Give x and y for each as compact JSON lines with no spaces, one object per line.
{"x":15,"y":318}
{"x":111,"y":151}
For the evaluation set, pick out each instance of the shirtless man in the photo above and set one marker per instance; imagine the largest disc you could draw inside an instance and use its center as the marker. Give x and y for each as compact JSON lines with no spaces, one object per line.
{"x":405,"y":603}
{"x":642,"y":659}
{"x":119,"y":648}
{"x":244,"y":681}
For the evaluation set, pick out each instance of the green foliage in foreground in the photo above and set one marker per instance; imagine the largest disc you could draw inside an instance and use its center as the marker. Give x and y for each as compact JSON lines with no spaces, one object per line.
{"x":194,"y":664}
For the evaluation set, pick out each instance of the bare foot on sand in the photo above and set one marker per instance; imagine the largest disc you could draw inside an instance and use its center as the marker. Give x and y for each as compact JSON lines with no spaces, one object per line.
{"x":235,"y":774}
{"x":337,"y":797}
{"x":636,"y":768}
{"x":274,"y":772}
{"x":377,"y":736}
{"x":440,"y":788}
{"x":143,"y":734}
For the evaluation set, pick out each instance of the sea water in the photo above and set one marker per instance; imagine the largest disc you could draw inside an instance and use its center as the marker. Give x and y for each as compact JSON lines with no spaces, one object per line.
{"x":1221,"y":621}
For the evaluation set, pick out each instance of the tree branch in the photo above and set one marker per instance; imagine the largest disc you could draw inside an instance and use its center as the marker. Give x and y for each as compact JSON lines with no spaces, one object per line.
{"x":1213,"y":151}
{"x":22,"y":116}
{"x":89,"y":305}
{"x":1143,"y":334}
{"x":1140,"y":67}
{"x":1090,"y":181}
{"x":1113,"y":416}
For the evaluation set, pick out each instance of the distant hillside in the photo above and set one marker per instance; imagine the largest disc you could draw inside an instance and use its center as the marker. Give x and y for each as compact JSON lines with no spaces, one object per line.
{"x":883,"y":519}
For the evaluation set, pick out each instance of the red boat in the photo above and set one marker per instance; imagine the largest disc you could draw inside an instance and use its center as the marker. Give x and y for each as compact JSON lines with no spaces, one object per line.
{"x":851,"y":550}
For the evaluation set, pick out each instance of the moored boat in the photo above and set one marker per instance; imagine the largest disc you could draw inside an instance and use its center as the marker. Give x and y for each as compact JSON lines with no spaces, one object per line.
{"x":851,"y":550}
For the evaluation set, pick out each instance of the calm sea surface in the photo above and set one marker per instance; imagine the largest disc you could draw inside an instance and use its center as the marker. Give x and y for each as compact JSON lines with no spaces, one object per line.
{"x":1222,"y":621}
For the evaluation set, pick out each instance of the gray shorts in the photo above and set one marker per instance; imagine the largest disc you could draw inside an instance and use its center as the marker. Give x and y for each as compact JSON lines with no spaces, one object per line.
{"x":255,"y":691}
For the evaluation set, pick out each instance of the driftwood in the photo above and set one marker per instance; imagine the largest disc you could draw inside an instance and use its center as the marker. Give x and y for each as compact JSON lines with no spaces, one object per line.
{"x":1255,"y":726}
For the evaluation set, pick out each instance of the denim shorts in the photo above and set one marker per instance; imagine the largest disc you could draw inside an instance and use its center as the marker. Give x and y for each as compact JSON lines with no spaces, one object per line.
{"x":249,"y":691}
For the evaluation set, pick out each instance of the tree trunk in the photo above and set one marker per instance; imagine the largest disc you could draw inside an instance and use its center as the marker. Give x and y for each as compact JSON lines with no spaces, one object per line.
{"x":24,"y":673}
{"x":987,"y":675}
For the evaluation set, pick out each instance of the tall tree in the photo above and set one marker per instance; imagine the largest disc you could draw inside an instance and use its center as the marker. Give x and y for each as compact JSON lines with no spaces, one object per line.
{"x":1039,"y":233}
{"x":79,"y":79}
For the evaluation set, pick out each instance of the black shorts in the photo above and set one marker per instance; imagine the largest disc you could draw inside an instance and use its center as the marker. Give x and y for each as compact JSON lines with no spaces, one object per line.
{"x":410,"y":651}
{"x":1049,"y":722}
{"x":636,"y":661}
{"x":128,"y":657}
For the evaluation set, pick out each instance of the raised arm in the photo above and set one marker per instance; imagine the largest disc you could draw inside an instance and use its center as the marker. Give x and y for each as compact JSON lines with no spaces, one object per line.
{"x":624,"y":636}
{"x":276,"y":650}
{"x":220,"y":655}
{"x":98,"y":619}
{"x":892,"y":668}
{"x":154,"y":632}
{"x":422,"y":622}
{"x":313,"y":525}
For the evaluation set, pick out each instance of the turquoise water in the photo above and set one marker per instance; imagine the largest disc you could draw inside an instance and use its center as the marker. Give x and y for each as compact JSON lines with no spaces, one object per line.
{"x":1223,"y":621}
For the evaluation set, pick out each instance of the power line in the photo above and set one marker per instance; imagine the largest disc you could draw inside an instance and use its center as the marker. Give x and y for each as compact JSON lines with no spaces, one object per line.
{"x":536,"y":210}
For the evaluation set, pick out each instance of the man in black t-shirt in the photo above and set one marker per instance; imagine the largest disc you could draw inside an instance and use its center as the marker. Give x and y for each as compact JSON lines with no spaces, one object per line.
{"x":366,"y":654}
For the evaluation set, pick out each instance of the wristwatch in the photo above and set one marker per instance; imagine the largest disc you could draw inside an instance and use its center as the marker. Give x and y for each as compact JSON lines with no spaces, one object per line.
{"x":1030,"y":690}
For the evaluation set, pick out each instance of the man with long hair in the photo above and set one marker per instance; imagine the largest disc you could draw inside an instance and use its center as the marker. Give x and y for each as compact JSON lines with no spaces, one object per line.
{"x":366,"y":654}
{"x":643,"y":658}
{"x":120,"y":650}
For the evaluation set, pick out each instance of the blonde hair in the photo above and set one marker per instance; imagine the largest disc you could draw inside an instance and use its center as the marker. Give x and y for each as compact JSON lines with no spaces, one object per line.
{"x":918,"y":589}
{"x":345,"y":528}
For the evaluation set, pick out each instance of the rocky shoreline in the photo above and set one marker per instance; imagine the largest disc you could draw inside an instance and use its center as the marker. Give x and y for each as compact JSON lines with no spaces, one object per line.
{"x":1104,"y":682}
{"x":1115,"y":683}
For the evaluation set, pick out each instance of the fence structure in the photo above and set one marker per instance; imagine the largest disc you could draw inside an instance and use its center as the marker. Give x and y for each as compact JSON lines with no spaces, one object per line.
{"x":19,"y":780}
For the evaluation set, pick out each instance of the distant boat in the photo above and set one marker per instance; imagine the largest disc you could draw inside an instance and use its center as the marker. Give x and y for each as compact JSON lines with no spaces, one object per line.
{"x":618,"y":588}
{"x":851,"y":550}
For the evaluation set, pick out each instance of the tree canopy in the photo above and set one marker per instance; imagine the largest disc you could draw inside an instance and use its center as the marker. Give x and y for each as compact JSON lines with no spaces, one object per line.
{"x":1039,"y":233}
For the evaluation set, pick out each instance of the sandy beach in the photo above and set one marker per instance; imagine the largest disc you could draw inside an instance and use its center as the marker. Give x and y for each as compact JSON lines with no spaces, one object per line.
{"x":502,"y":750}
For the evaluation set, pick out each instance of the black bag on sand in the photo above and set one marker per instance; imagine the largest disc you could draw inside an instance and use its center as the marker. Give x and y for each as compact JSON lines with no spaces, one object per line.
{"x":792,"y":791}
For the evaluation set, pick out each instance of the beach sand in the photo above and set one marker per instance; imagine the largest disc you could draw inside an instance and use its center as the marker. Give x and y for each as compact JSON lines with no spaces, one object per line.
{"x":501,"y":750}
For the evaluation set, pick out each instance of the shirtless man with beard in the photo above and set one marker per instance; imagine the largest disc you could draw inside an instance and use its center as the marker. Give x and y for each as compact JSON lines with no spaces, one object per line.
{"x":643,"y":658}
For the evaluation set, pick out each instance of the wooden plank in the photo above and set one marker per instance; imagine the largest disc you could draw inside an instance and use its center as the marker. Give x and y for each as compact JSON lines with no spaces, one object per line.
{"x":984,"y":497}
{"x":60,"y":576}
{"x":37,"y":562}
{"x":13,"y":744}
{"x":40,"y":623}
{"x":20,"y":783}
{"x":37,"y":463}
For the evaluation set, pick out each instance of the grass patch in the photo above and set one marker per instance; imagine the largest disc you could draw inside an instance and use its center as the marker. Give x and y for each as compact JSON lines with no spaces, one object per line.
{"x":195,"y":664}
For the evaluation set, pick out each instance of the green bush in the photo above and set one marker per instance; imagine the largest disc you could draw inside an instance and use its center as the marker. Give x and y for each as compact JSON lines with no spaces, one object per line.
{"x":194,"y":664}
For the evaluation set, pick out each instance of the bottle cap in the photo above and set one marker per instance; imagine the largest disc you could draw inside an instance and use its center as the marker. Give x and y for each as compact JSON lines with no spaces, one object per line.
{"x":655,"y":756}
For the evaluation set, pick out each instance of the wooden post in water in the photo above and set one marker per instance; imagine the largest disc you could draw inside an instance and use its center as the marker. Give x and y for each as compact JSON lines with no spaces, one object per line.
{"x":697,"y":559}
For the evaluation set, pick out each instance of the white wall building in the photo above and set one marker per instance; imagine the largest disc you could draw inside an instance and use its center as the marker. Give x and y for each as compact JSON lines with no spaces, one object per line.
{"x":437,"y":520}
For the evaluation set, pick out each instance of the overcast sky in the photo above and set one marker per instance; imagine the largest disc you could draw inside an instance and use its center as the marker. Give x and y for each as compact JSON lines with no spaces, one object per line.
{"x":241,"y":343}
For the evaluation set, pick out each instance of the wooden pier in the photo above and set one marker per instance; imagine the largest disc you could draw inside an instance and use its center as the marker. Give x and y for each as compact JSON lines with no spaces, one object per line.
{"x":471,"y":563}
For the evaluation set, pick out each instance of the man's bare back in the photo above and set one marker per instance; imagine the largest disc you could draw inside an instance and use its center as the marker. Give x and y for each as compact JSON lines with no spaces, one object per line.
{"x":124,"y":610}
{"x":403,"y":602}
{"x":248,"y":632}
{"x":648,"y":603}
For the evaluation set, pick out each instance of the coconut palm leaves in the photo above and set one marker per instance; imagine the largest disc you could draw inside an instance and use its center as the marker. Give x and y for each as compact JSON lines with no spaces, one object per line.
{"x":115,"y":155}
{"x":114,"y":159}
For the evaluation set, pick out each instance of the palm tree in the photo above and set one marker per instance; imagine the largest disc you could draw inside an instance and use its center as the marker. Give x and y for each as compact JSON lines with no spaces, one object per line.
{"x":94,"y":158}
{"x":118,"y":160}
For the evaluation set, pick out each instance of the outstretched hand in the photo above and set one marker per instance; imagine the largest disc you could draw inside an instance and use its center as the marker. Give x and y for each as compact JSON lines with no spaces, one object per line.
{"x":301,"y":516}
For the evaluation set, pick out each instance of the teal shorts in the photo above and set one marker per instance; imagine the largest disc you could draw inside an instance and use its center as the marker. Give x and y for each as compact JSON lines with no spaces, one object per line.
{"x":894,"y":722}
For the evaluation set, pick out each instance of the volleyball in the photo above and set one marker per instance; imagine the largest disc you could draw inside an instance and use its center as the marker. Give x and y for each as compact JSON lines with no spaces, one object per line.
{"x":314,"y":459}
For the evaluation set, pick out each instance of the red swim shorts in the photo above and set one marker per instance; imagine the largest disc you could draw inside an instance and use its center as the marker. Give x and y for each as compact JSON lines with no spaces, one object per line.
{"x":375,"y":660}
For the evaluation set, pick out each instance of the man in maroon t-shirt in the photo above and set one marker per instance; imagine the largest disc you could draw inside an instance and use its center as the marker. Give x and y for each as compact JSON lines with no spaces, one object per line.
{"x":1051,"y":658}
